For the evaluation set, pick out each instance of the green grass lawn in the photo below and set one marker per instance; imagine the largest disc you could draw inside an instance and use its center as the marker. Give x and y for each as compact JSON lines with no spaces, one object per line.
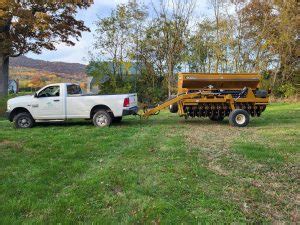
{"x":2,"y":106}
{"x":161,"y":170}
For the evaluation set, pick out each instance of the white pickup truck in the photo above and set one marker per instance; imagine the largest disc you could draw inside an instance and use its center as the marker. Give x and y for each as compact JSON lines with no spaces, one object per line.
{"x":65,"y":101}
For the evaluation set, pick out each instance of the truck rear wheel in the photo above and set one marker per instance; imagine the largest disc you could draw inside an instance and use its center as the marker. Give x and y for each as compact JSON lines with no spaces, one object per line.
{"x":239,"y":118}
{"x":23,"y":120}
{"x":102,"y":119}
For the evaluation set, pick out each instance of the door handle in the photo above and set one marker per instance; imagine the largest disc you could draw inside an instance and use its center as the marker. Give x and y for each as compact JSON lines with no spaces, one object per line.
{"x":56,"y":100}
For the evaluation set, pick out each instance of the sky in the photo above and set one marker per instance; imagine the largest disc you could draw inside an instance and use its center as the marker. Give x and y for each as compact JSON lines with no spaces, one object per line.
{"x":80,"y":52}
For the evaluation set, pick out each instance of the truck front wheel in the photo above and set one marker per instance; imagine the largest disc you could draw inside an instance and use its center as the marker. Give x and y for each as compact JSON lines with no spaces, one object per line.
{"x":23,"y":120}
{"x":102,"y":119}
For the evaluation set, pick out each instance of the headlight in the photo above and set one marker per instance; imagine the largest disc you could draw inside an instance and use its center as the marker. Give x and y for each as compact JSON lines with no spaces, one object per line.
{"x":8,"y":107}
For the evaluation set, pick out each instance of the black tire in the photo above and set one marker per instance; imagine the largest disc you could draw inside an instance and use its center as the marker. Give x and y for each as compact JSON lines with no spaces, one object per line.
{"x":216,"y":118}
{"x":117,"y":119}
{"x":239,"y":118}
{"x":173,"y":108}
{"x":261,"y":93}
{"x":23,"y":120}
{"x":102,"y":119}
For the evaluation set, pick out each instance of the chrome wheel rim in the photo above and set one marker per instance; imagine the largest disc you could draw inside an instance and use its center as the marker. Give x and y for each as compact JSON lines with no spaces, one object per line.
{"x":240,"y":119}
{"x":24,"y":122}
{"x":101,"y":120}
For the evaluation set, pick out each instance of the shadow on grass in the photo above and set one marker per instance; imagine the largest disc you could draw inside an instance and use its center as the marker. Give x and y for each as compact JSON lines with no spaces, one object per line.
{"x":136,"y":122}
{"x":171,"y":120}
{"x":63,"y":123}
{"x":263,"y":121}
{"x":148,"y":122}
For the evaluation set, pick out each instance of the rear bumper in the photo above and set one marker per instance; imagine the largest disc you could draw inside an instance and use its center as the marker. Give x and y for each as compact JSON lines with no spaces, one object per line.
{"x":130,"y":111}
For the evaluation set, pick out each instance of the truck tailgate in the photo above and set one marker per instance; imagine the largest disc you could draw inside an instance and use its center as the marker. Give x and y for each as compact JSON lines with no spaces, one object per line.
{"x":133,"y":100}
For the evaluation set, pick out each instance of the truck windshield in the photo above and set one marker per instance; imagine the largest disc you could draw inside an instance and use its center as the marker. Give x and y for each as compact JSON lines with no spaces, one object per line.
{"x":73,"y":89}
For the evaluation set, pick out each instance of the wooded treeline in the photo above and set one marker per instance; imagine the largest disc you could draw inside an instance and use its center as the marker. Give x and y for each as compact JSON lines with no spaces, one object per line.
{"x":141,"y":48}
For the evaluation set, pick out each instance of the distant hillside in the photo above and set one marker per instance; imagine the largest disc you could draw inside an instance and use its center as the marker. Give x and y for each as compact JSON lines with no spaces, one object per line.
{"x":54,"y":67}
{"x":37,"y":73}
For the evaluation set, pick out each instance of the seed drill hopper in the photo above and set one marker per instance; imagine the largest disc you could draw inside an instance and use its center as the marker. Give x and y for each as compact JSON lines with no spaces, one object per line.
{"x":217,"y":96}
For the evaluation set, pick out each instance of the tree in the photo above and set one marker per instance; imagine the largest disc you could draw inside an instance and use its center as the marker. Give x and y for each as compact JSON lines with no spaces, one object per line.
{"x":117,"y":42}
{"x":34,"y":25}
{"x":118,"y":35}
{"x":155,"y":46}
{"x":111,"y":38}
{"x":273,"y":35}
{"x":172,"y":21}
{"x":216,"y":6}
{"x":101,"y":71}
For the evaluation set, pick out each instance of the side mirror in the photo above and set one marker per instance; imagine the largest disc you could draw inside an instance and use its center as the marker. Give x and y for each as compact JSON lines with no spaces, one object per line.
{"x":35,"y":95}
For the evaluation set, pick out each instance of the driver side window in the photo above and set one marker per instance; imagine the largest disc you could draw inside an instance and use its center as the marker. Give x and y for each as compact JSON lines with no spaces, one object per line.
{"x":52,"y":91}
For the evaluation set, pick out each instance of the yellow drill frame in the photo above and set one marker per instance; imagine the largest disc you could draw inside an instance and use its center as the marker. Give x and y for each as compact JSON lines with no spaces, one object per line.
{"x":193,"y":99}
{"x":204,"y":85}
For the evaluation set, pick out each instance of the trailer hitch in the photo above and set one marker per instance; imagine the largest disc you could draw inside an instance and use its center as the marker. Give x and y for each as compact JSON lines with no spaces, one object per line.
{"x":146,"y":108}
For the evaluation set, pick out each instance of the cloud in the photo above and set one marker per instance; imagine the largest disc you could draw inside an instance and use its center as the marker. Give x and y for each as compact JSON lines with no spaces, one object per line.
{"x":73,"y":54}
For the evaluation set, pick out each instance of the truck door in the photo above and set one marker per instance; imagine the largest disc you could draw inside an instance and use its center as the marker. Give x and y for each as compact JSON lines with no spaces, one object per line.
{"x":76,"y":104}
{"x":48,"y":103}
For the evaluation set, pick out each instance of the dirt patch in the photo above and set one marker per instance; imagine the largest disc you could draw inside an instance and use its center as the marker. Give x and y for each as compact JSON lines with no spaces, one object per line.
{"x":260,"y":189}
{"x":10,"y":144}
{"x":214,"y":142}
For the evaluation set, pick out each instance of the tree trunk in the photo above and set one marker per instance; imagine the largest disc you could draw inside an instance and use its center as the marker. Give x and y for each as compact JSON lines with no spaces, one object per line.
{"x":169,"y":87}
{"x":4,"y":64}
{"x":170,"y":77}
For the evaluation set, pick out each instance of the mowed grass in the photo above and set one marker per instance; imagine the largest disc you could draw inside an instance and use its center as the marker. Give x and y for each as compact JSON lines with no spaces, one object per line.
{"x":161,"y":170}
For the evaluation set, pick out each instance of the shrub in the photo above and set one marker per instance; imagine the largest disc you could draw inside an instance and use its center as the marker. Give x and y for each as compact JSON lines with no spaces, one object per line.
{"x":285,"y":90}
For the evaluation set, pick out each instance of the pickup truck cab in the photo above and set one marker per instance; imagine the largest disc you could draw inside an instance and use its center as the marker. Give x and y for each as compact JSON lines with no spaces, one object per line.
{"x":63,"y":101}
